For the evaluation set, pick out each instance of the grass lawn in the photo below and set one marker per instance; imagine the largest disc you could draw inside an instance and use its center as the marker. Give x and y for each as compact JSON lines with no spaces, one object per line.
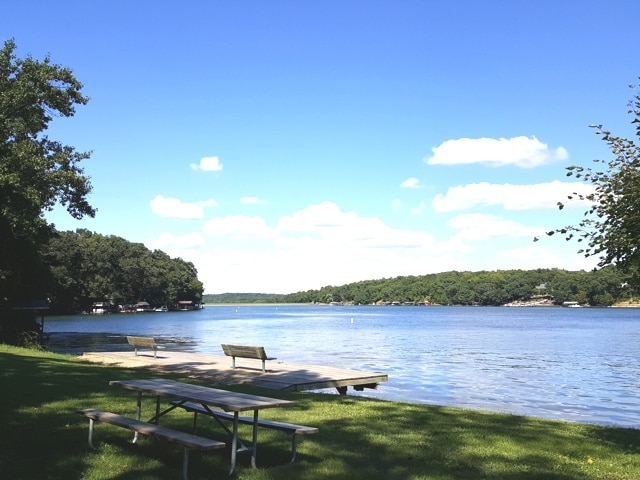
{"x":42,"y":438}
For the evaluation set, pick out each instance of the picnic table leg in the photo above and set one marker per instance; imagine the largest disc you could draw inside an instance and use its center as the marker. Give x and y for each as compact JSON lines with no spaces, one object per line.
{"x":185,"y":464}
{"x":157,"y":417}
{"x":254,"y":450}
{"x":294,"y":447}
{"x":91,"y":433}
{"x":234,"y":443}
{"x":138,"y":414}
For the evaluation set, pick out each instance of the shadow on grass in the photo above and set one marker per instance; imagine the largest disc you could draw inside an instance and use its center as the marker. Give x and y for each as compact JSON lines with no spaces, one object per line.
{"x":360,"y":438}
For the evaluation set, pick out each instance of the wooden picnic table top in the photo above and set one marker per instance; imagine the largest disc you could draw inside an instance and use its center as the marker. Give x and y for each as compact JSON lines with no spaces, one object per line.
{"x":224,"y":399}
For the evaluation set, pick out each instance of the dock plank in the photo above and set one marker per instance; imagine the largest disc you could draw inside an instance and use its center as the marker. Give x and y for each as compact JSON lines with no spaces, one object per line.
{"x":280,"y":376}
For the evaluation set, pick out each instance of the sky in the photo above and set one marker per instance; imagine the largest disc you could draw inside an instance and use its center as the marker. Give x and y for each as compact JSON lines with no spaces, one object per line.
{"x":283,"y":146}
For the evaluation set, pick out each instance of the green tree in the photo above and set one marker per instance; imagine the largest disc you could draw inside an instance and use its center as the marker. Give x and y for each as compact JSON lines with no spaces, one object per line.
{"x":611,"y":225}
{"x":89,"y":267}
{"x":36,"y":172}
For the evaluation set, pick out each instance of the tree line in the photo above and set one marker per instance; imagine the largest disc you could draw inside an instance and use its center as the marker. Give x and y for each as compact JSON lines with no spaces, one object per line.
{"x":87,"y":267}
{"x":605,"y":287}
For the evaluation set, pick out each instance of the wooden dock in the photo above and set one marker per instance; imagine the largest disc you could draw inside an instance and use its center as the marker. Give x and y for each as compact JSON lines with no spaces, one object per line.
{"x":279,"y":375}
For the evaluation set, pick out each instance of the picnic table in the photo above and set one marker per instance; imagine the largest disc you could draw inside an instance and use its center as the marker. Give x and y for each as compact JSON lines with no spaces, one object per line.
{"x":179,"y":393}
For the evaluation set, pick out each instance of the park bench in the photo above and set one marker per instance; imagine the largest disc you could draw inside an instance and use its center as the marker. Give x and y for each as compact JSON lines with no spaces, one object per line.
{"x":244,"y":351}
{"x":143,"y":342}
{"x":288,"y":428}
{"x":189,"y":441}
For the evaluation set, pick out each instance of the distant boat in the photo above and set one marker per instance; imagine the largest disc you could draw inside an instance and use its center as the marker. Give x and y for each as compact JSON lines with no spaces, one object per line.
{"x":162,"y":309}
{"x":143,"y":307}
{"x":571,"y":305}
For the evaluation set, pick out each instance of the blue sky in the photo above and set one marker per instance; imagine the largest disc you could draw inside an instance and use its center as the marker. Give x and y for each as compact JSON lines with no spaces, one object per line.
{"x":287,"y":145}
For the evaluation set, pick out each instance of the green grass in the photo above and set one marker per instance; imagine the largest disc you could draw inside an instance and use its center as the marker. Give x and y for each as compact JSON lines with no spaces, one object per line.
{"x":42,"y":438}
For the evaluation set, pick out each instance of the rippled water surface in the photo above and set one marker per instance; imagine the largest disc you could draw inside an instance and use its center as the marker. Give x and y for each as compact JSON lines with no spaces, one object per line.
{"x":579,"y":364}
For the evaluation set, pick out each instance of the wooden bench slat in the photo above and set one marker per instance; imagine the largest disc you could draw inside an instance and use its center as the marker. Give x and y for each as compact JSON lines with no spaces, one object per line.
{"x":289,"y":428}
{"x":274,"y":425}
{"x":246,"y":351}
{"x":143,"y":342}
{"x":187,"y":439}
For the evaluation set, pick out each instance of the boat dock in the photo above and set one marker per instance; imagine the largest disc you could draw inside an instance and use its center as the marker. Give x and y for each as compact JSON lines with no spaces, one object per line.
{"x":217,"y":368}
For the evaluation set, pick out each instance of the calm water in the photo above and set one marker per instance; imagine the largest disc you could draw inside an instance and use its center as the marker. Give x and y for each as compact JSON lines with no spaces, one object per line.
{"x":580,"y":364}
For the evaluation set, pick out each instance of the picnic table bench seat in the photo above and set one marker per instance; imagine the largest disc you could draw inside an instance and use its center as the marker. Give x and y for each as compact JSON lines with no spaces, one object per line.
{"x":245,"y":351}
{"x":189,"y":441}
{"x":289,"y":428}
{"x":143,"y":342}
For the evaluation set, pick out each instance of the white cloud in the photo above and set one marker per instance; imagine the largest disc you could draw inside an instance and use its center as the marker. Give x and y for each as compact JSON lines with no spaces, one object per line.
{"x":411,"y":183}
{"x":316,"y":246}
{"x":208,"y":203}
{"x":510,"y":197}
{"x":475,"y":226}
{"x":168,"y":207}
{"x":316,"y":217}
{"x":168,"y":241}
{"x":208,"y":164}
{"x":331,"y":227}
{"x":519,"y":151}
{"x":322,"y":245}
{"x":238,"y":227}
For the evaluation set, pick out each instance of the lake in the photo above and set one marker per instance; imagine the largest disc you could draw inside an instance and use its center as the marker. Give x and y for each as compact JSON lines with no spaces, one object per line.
{"x":578,"y":364}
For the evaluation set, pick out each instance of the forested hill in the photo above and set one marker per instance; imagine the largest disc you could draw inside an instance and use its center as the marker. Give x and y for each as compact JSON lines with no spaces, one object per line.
{"x":602,"y":287}
{"x":241,"y":298}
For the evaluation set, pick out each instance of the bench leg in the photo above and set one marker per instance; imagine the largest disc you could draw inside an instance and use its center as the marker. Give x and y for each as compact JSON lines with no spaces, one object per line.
{"x":135,"y":349}
{"x":233,"y":362}
{"x":91,"y":434}
{"x":263,"y":367}
{"x":294,"y":447}
{"x":138,"y":415}
{"x":234,"y":443}
{"x":185,"y":464}
{"x":195,"y":422}
{"x":155,"y":350}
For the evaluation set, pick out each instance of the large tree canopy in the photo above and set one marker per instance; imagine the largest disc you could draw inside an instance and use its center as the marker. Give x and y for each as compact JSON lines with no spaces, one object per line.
{"x":36,"y":172}
{"x":89,"y":267}
{"x":611,"y":225}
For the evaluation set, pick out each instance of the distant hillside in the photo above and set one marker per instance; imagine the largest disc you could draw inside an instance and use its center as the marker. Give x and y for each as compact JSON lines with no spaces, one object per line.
{"x":240,"y":298}
{"x":606,"y":286}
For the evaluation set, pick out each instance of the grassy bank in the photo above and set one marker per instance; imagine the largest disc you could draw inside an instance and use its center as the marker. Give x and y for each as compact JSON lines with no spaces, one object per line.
{"x":41,"y":437}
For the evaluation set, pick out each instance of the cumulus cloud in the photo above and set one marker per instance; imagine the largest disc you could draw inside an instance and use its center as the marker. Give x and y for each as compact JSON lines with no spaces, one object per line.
{"x":169,"y":241}
{"x":323,"y":244}
{"x":168,"y":207}
{"x":525,"y":152}
{"x":332,"y":228}
{"x":475,"y":226}
{"x":509,"y":196}
{"x":208,"y":203}
{"x":238,"y":227}
{"x":411,"y":183}
{"x":208,"y":164}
